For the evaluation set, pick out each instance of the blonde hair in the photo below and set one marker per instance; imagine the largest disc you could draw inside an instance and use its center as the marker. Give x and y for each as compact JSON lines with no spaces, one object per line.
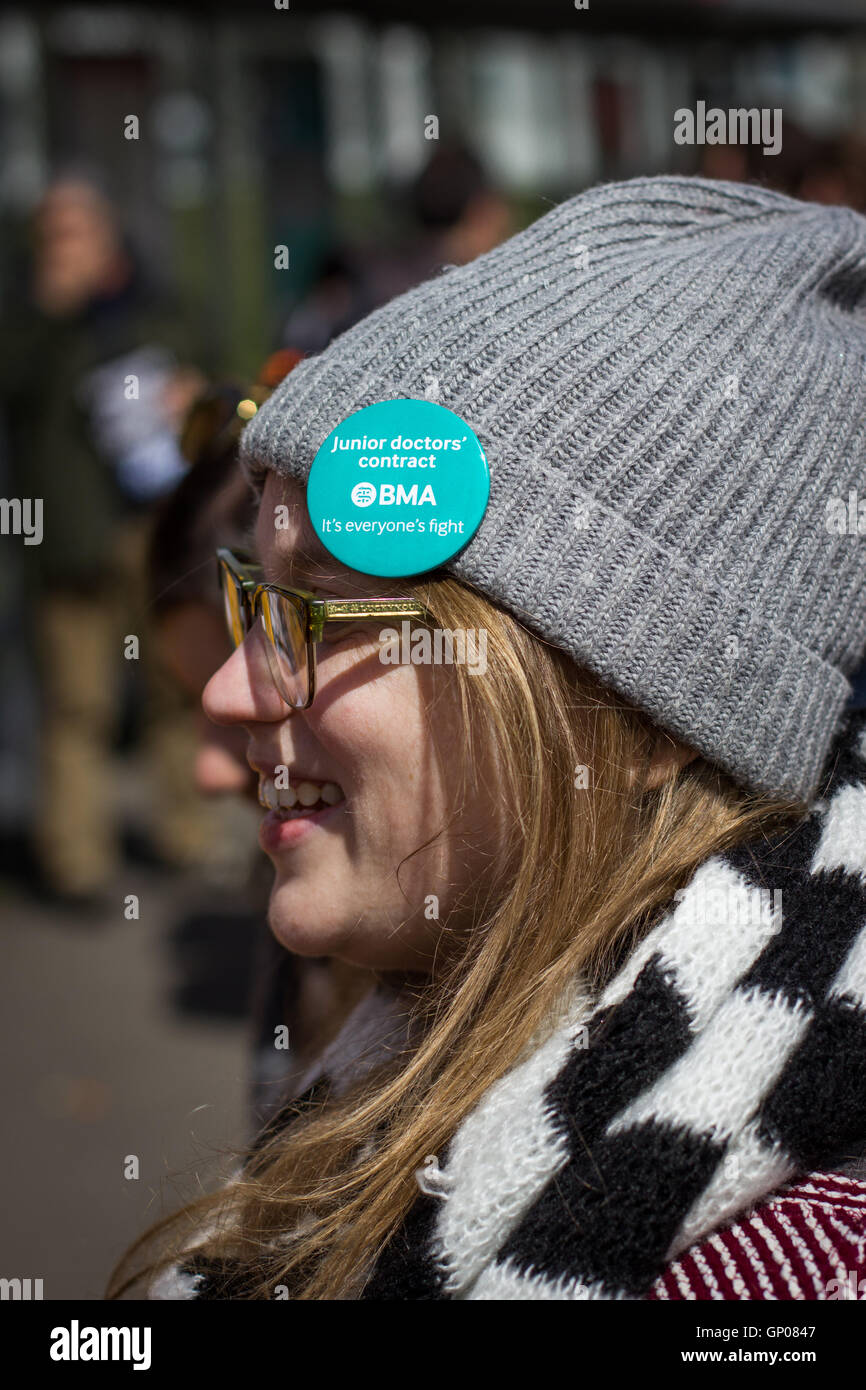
{"x":588,"y":872}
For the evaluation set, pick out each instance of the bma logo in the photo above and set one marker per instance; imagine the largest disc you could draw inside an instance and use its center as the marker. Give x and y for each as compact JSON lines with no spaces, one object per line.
{"x":363,"y":494}
{"x":20,"y":1290}
{"x":392,"y":495}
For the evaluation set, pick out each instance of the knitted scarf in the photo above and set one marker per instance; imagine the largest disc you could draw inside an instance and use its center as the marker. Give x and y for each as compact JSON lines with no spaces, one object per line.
{"x":725,"y":1057}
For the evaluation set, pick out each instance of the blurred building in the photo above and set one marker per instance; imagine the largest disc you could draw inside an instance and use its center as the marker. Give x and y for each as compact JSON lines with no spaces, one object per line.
{"x":262,"y":128}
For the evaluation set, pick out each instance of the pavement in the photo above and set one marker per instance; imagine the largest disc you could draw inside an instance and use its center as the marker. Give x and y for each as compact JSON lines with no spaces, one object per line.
{"x":120,"y":1039}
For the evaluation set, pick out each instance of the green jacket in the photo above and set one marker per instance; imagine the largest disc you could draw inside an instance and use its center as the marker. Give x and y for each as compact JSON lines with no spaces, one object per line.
{"x":53,"y":453}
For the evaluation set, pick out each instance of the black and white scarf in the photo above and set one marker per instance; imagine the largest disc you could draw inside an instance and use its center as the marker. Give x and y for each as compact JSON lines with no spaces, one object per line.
{"x":726,"y":1056}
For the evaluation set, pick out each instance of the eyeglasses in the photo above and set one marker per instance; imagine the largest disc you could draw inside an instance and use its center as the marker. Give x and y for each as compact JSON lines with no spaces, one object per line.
{"x":294,"y":621}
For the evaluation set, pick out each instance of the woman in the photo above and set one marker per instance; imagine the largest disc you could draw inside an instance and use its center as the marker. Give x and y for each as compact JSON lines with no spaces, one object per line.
{"x":613,"y":886}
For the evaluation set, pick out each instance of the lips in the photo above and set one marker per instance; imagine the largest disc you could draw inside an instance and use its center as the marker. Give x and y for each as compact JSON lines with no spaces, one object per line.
{"x":298,"y":803}
{"x":286,"y":826}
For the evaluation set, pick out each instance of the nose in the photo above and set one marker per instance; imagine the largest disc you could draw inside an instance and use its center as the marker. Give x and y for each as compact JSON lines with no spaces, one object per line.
{"x":241,"y":691}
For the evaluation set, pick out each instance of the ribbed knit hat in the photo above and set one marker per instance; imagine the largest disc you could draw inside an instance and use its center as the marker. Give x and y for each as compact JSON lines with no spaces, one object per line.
{"x":668,"y":378}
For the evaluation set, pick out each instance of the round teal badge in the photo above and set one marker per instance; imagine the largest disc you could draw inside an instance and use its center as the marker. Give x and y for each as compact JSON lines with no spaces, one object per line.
{"x":398,"y":488}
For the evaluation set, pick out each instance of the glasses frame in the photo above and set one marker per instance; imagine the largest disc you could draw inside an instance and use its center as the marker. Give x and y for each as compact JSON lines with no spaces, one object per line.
{"x":247,"y":573}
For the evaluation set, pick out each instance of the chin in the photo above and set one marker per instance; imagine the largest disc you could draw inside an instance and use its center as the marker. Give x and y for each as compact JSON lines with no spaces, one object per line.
{"x":364,"y":945}
{"x":300,"y":924}
{"x":304,"y":938}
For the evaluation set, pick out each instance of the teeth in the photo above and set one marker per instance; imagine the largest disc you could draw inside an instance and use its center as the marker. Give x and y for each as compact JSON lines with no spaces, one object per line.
{"x":297,"y":798}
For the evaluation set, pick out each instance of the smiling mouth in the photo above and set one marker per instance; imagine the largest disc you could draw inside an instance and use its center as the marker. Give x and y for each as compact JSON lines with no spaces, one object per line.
{"x":298,"y":798}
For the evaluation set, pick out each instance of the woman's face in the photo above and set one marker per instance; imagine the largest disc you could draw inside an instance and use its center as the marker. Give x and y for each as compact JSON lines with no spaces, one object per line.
{"x":373,"y":733}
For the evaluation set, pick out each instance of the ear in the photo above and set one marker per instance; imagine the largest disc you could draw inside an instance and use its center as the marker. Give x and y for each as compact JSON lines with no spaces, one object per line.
{"x":668,"y":755}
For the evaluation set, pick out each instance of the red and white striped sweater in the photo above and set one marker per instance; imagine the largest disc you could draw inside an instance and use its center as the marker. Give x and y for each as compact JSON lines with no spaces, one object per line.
{"x":808,"y":1241}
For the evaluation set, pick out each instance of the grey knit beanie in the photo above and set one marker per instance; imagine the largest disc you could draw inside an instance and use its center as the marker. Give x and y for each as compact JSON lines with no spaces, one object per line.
{"x":668,"y":378}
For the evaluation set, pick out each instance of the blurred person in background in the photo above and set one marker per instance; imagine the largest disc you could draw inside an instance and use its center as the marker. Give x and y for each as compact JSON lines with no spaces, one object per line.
{"x":95,"y":376}
{"x":297,"y":1003}
{"x":455,"y":214}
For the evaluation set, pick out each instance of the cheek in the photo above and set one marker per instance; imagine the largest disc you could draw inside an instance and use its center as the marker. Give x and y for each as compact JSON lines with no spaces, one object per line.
{"x":378,"y":731}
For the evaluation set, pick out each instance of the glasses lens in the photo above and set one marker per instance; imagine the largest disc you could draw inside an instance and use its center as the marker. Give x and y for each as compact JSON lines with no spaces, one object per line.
{"x":285,"y":624}
{"x":233,"y":602}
